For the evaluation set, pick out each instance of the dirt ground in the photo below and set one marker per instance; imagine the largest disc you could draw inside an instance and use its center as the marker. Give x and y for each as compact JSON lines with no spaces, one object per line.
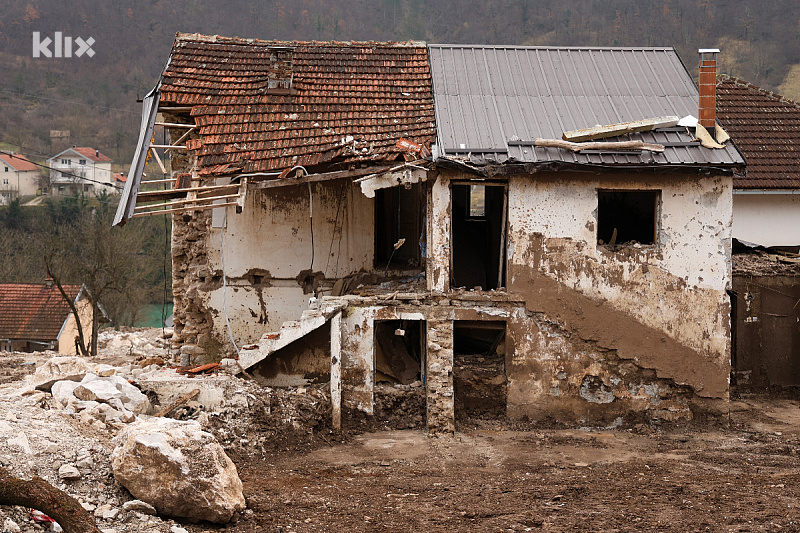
{"x":740,"y":475}
{"x":743,"y":477}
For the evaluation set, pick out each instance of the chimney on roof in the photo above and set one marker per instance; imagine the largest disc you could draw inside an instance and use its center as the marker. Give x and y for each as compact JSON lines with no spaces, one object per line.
{"x":707,"y":112}
{"x":281,"y":70}
{"x":97,"y":153}
{"x":48,"y":282}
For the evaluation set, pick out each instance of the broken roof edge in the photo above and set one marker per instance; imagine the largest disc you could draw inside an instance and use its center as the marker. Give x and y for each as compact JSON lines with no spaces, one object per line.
{"x":199,"y":37}
{"x":517,"y":168}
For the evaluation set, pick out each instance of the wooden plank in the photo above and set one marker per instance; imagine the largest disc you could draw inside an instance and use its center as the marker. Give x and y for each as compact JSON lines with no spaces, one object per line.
{"x":203,"y":188}
{"x":313,"y":178}
{"x":613,"y":130}
{"x":577,"y":147}
{"x":140,"y":208}
{"x":175,"y":125}
{"x":182,"y":209}
{"x":180,"y":401}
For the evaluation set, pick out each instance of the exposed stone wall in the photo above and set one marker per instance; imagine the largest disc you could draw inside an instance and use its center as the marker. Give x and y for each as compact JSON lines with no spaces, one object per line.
{"x":440,"y":406}
{"x":191,"y":275}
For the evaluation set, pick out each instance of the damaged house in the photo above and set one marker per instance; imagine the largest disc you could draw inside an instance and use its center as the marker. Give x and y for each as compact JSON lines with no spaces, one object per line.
{"x":766,"y":230}
{"x":477,"y":231}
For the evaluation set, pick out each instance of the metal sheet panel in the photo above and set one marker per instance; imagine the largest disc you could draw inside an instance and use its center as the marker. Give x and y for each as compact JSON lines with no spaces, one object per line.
{"x":487,"y":96}
{"x":128,"y":201}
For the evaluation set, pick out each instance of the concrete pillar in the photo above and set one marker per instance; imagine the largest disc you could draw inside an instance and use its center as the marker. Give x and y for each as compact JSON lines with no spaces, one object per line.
{"x":336,"y":371}
{"x":439,"y":383}
{"x":439,"y":210}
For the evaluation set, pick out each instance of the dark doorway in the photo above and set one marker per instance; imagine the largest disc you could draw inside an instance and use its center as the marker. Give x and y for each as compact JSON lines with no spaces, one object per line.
{"x":399,"y":393}
{"x":478,"y":238}
{"x":399,"y":213}
{"x":627,"y":217}
{"x":479,"y":370}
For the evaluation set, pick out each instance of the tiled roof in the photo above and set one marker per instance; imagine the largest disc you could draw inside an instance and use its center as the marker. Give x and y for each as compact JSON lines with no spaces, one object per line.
{"x":19,"y":162}
{"x":766,"y":129}
{"x":90,"y":153}
{"x":33,"y":312}
{"x":349,"y":101}
{"x":493,"y":102}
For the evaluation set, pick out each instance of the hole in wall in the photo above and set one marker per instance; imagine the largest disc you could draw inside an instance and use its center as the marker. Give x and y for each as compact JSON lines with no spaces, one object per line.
{"x":479,"y":369}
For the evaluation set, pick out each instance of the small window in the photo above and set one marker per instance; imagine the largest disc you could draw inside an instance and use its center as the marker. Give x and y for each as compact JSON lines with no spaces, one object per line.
{"x":6,"y":169}
{"x":477,"y":201}
{"x":5,"y":181}
{"x":81,"y":161}
{"x":66,"y":161}
{"x":627,"y":217}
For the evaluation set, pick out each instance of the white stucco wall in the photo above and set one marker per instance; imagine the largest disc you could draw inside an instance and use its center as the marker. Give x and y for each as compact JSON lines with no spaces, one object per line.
{"x":676,"y":286}
{"x":771,"y":219}
{"x":273,"y":234}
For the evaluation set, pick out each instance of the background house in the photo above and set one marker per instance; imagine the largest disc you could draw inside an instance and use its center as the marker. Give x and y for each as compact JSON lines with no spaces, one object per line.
{"x":81,"y":170}
{"x":315,"y":236}
{"x":766,"y":217}
{"x":18,"y":177}
{"x":35,"y":317}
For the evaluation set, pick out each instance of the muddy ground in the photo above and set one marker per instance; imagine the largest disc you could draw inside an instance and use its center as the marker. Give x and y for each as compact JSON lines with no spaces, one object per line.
{"x":735,"y":475}
{"x":741,"y":477}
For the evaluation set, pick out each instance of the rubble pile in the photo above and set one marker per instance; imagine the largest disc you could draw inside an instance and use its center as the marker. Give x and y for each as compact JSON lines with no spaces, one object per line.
{"x":87,"y":427}
{"x":400,"y":406}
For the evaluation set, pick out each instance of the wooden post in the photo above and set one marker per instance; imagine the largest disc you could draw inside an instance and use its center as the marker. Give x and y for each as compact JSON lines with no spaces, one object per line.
{"x":336,"y":371}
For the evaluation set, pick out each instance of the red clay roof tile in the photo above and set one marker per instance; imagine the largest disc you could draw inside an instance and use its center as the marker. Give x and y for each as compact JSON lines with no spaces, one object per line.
{"x":765,"y":127}
{"x":33,"y":312}
{"x":19,"y":162}
{"x":348,"y":102}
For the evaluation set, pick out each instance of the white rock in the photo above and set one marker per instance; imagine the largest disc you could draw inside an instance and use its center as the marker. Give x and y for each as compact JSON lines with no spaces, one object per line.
{"x":103,"y":370}
{"x":60,"y":369}
{"x":139,"y":506}
{"x":111,"y":514}
{"x":114,"y":391}
{"x":21,"y":442}
{"x":9,"y":526}
{"x":178,"y":468}
{"x":86,"y":463}
{"x":62,"y":392}
{"x":98,"y":512}
{"x":68,"y":472}
{"x":177,"y":529}
{"x":88,"y":507}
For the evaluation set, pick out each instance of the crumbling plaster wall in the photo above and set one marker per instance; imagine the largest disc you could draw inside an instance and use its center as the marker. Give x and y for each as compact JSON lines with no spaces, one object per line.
{"x":675,"y":289}
{"x":267,"y":256}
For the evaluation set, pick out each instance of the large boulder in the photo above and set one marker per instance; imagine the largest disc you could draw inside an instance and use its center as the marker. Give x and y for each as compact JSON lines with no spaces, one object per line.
{"x":177,"y":468}
{"x":113,"y":390}
{"x":60,"y":369}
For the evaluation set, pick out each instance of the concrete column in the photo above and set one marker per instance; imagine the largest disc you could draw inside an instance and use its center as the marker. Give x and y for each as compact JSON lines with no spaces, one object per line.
{"x":439,"y":383}
{"x":336,"y":371}
{"x":439,"y":211}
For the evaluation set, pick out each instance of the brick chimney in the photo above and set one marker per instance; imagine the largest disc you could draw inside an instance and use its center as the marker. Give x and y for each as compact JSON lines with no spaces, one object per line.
{"x":707,"y":112}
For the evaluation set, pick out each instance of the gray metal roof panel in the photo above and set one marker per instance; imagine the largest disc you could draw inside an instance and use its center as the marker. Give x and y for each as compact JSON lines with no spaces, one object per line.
{"x":486,"y":96}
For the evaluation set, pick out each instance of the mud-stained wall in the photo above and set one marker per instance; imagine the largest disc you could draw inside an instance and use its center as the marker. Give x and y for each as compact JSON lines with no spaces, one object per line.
{"x":268,"y":253}
{"x":438,"y":216}
{"x":675,"y":288}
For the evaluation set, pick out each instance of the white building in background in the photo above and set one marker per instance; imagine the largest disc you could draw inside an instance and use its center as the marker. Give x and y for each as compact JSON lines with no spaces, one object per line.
{"x":81,"y":170}
{"x":18,"y":177}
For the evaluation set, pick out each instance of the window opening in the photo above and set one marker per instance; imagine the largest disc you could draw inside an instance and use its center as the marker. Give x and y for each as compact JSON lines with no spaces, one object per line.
{"x":627,"y":217}
{"x":479,"y":369}
{"x":399,"y":390}
{"x":478,"y":240}
{"x":399,"y":231}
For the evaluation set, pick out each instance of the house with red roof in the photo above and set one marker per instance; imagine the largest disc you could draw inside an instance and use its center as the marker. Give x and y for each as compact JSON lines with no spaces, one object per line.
{"x":35,"y":317}
{"x":765,"y":127}
{"x":426,"y":222}
{"x":18,"y":177}
{"x":81,"y":170}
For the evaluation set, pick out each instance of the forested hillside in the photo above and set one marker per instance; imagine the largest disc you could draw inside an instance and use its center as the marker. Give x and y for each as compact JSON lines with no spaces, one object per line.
{"x":95,"y":97}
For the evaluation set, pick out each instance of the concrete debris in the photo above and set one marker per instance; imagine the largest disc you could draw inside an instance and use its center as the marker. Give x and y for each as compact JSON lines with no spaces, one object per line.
{"x":60,"y":369}
{"x":179,"y":469}
{"x":69,"y":473}
{"x":139,"y":506}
